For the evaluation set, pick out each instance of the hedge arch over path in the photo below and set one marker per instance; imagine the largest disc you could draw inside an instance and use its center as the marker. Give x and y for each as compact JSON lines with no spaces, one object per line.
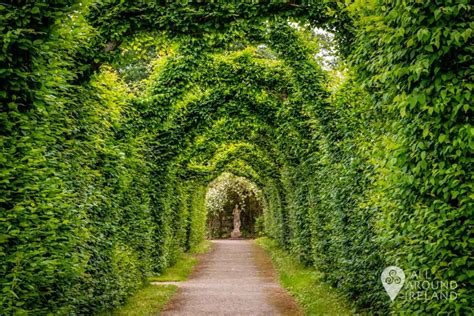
{"x":369,"y":172}
{"x":222,"y":100}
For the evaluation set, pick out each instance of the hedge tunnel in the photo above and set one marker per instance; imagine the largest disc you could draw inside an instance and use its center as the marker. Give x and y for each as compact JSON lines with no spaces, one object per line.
{"x":117,"y":115}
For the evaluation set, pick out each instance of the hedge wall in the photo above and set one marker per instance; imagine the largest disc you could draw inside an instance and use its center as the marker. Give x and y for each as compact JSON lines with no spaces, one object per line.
{"x":116,"y":114}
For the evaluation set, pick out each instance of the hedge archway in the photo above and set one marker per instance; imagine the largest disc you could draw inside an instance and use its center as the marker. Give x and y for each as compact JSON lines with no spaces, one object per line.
{"x":116,"y":115}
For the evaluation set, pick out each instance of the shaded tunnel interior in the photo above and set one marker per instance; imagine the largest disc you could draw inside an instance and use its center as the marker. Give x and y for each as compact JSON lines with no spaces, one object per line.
{"x":229,"y":199}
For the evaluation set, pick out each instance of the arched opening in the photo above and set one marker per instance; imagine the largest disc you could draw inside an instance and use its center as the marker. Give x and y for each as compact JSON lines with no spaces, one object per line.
{"x":235,"y":207}
{"x":106,"y":148}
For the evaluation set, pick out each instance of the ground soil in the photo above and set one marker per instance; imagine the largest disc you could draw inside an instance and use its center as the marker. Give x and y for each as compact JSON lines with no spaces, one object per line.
{"x":235,"y":278}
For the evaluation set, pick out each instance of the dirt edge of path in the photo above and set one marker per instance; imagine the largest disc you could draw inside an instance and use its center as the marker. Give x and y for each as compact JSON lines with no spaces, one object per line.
{"x":176,"y":299}
{"x":282,"y":300}
{"x":198,"y":296}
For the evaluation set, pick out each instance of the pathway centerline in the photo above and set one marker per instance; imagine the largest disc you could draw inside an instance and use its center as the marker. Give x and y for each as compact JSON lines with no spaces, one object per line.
{"x":235,"y":278}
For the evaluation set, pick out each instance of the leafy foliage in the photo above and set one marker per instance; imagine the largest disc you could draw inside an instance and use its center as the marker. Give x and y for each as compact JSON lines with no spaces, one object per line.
{"x":117,"y":114}
{"x":224,"y":194}
{"x":419,"y":67}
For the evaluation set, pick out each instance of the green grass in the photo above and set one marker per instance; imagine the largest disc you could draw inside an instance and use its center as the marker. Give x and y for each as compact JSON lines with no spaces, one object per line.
{"x":148,"y":301}
{"x":203,"y":247}
{"x":151,"y":299}
{"x":184,"y":266}
{"x":305,"y":284}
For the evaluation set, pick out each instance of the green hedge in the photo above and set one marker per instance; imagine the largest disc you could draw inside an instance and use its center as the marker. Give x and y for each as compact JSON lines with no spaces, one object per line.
{"x":80,"y":218}
{"x":416,"y":59}
{"x":115,"y":116}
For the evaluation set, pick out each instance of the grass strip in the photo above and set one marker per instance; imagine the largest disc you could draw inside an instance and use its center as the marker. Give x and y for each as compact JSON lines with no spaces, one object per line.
{"x":149,"y":300}
{"x":152,"y":298}
{"x":184,"y":266}
{"x":305,"y":284}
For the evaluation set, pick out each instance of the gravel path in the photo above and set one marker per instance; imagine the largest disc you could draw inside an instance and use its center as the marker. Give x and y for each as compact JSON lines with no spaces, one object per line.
{"x":235,"y":278}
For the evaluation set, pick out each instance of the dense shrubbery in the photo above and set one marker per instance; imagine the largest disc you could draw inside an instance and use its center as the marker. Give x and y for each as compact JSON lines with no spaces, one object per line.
{"x":81,"y":221}
{"x":111,"y":132}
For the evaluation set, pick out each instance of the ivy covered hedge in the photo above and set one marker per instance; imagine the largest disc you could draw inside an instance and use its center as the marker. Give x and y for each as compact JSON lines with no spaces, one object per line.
{"x":116,"y":115}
